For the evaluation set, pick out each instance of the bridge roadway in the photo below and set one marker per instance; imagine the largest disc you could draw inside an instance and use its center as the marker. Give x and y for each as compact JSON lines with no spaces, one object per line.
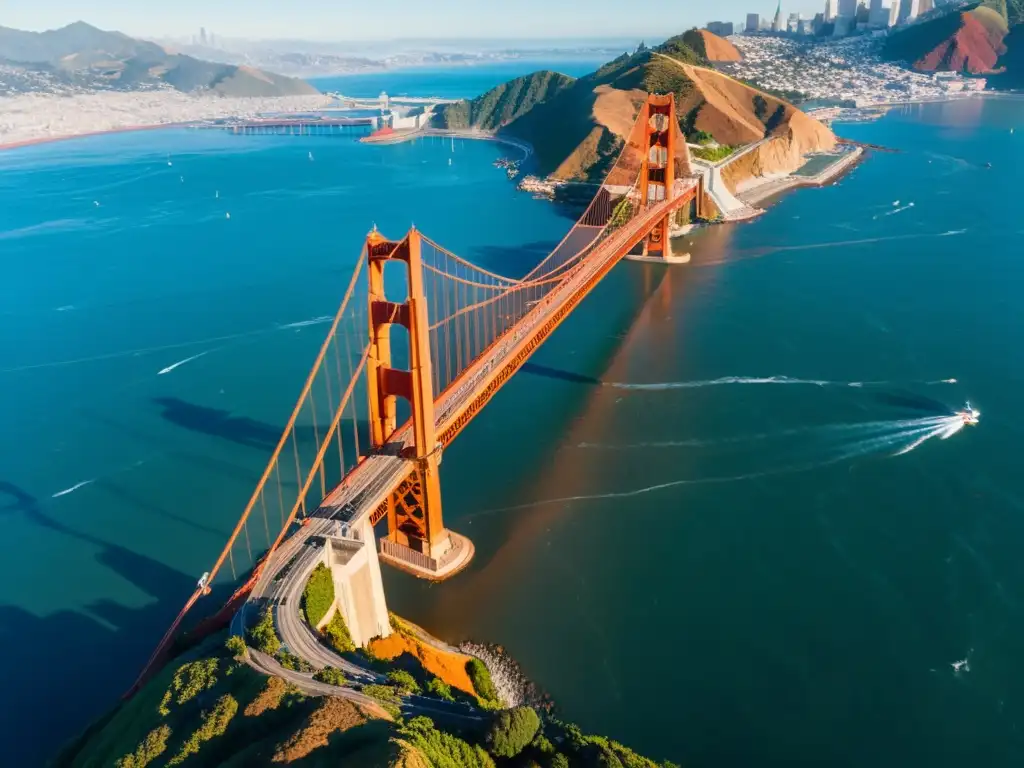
{"x":369,"y":484}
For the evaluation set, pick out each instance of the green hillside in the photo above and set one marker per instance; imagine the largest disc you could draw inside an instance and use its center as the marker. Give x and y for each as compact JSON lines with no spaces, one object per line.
{"x":503,"y":104}
{"x":554,"y":113}
{"x":209,"y":709}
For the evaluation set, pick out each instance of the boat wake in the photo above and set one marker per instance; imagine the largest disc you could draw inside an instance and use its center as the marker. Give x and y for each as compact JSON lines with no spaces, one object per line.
{"x":305,"y":323}
{"x":72,"y":489}
{"x":180,"y":363}
{"x":843,"y":442}
{"x":759,"y":380}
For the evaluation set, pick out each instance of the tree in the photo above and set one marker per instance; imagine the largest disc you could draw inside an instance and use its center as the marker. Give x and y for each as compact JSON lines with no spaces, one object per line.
{"x":480,"y":676}
{"x":440,"y":688}
{"x":337,"y":634}
{"x":149,"y":750}
{"x":559,"y":761}
{"x":331,"y":676}
{"x":264,"y":634}
{"x":235,"y":645}
{"x":403,"y":681}
{"x":511,"y":731}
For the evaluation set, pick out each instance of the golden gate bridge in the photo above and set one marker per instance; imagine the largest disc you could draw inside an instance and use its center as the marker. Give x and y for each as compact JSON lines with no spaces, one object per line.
{"x":424,"y":339}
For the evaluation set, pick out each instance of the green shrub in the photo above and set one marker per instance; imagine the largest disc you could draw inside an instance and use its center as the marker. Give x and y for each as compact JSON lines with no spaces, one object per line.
{"x":403,"y":681}
{"x":235,"y":646}
{"x":189,"y":681}
{"x":559,"y":761}
{"x":543,"y":745}
{"x":387,"y":696}
{"x":289,"y":660}
{"x":511,"y":731}
{"x":331,"y":676}
{"x":318,"y":596}
{"x":712,"y":154}
{"x":442,"y":750}
{"x":264,"y":635}
{"x":214,"y":724}
{"x":480,"y":676}
{"x":148,"y":750}
{"x":337,"y":634}
{"x":440,"y":688}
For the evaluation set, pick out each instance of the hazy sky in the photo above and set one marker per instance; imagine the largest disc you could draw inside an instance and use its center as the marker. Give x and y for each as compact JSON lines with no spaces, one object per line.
{"x":385,"y":19}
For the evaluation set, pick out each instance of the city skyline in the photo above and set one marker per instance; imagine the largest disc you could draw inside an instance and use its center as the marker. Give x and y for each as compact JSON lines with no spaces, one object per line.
{"x":445,"y":19}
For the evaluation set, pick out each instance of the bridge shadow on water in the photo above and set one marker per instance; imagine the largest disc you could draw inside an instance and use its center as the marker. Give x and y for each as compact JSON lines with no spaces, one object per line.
{"x":236,"y":429}
{"x":64,"y":669}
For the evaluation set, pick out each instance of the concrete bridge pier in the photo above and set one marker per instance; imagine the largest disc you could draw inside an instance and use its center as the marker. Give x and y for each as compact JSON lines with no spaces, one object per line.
{"x":358,"y":588}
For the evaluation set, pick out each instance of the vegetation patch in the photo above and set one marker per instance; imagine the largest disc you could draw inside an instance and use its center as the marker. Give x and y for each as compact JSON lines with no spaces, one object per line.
{"x":318,"y":596}
{"x":403,"y":681}
{"x":289,"y":660}
{"x":512,"y":730}
{"x":149,"y":750}
{"x":337,"y":634}
{"x":389,"y":698}
{"x":331,"y":676}
{"x":235,"y":646}
{"x":443,"y":750}
{"x":713,"y":154}
{"x":438,"y":687}
{"x":214,"y":723}
{"x":189,"y":681}
{"x":263,"y":635}
{"x":269,"y":698}
{"x":481,"y":678}
{"x":333,"y":715}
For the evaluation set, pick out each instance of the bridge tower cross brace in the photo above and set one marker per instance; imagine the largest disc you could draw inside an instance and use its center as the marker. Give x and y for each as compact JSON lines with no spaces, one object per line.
{"x":414,"y":508}
{"x":657,"y":177}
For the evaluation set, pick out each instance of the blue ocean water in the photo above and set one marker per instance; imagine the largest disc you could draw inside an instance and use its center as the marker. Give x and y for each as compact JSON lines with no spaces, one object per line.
{"x":454,"y":82}
{"x":774,"y":600}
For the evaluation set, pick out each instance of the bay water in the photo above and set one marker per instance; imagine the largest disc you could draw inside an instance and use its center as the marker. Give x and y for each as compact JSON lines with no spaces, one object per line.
{"x":690,"y":524}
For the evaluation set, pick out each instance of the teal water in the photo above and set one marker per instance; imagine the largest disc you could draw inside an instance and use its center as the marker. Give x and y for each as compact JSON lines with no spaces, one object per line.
{"x":453,"y":82}
{"x":781,"y":599}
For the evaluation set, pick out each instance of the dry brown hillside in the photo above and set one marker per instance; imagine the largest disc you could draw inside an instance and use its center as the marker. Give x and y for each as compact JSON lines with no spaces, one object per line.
{"x":718,"y":48}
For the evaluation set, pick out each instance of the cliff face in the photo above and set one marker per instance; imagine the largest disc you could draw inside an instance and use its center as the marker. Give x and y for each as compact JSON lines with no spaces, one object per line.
{"x":961,"y":41}
{"x":736,"y":114}
{"x":504,"y":103}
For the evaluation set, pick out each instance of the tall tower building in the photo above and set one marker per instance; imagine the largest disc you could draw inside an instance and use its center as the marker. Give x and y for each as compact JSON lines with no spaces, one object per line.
{"x":894,"y":12}
{"x":202,"y":35}
{"x":753,"y":22}
{"x":777,"y":21}
{"x":830,"y":10}
{"x":848,"y":8}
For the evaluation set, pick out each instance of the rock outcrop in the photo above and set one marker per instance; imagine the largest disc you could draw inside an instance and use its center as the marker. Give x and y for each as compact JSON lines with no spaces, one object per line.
{"x":971,"y":41}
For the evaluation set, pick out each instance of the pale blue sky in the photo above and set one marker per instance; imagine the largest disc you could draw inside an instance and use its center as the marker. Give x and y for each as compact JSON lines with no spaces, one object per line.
{"x":387,"y":19}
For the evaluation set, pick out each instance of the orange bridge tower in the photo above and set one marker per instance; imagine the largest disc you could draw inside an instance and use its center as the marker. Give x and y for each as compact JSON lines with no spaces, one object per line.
{"x":417,"y":540}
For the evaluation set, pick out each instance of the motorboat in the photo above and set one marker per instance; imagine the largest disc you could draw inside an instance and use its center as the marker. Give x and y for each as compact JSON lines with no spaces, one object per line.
{"x":969,"y":415}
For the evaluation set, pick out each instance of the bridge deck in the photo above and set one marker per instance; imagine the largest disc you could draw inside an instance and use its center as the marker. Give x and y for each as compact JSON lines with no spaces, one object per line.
{"x":370,"y":483}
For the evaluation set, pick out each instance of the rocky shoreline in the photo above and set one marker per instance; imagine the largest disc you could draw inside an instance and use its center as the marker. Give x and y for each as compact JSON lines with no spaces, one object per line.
{"x":514,"y":687}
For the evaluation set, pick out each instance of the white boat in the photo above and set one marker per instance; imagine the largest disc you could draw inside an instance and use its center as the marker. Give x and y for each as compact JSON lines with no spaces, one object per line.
{"x":969,"y":415}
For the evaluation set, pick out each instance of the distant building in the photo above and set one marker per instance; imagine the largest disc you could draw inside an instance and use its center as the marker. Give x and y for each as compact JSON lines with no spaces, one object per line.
{"x":831,"y":10}
{"x":894,"y":13}
{"x":777,"y":21}
{"x":721,"y":28}
{"x":878,"y":15}
{"x":793,"y":23}
{"x":910,"y":10}
{"x":753,"y":22}
{"x":202,"y":35}
{"x":848,"y":8}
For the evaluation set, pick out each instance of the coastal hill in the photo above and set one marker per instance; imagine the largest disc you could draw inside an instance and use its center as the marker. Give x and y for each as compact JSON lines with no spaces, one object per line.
{"x":714,"y":48}
{"x":983,"y":39}
{"x":82,"y":57}
{"x":577,"y":126}
{"x":970,"y":41}
{"x":209,"y":708}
